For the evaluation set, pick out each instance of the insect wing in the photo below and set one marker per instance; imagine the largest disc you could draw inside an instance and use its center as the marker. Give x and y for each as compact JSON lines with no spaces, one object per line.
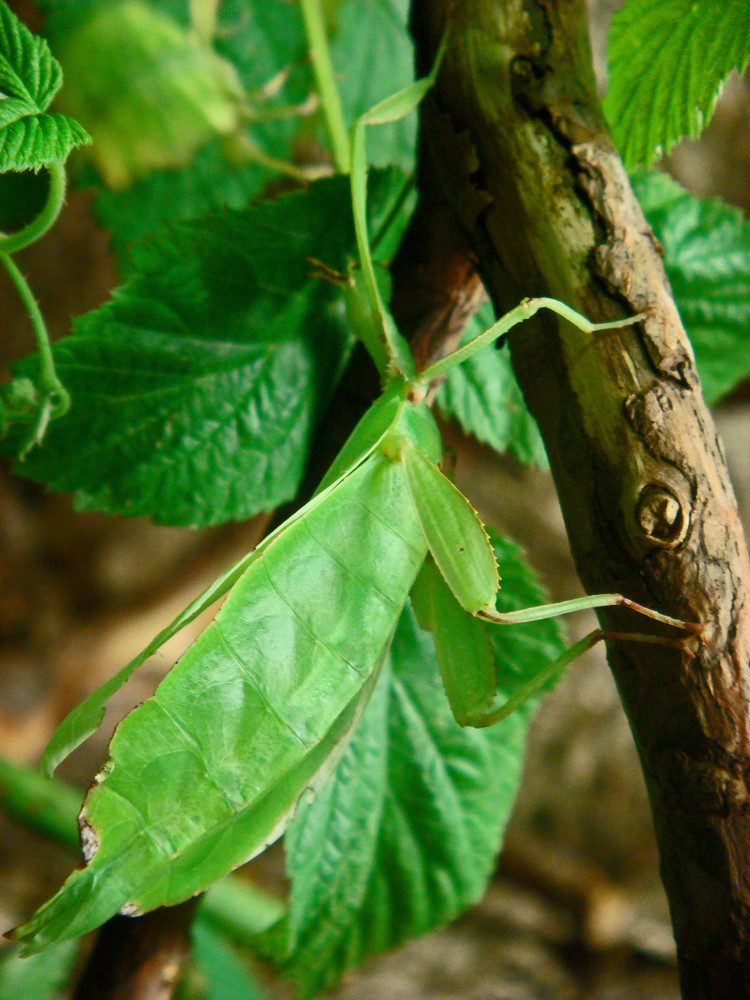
{"x":455,"y":535}
{"x":462,"y":645}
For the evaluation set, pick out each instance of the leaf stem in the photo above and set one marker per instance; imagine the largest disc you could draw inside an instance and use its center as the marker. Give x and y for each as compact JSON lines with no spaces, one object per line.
{"x":330,"y":99}
{"x":13,"y":242}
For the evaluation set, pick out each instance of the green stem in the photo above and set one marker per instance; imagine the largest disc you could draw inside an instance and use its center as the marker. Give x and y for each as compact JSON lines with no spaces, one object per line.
{"x":56,"y":399}
{"x":13,"y":242}
{"x":48,"y":806}
{"x":49,"y":379}
{"x":330,"y":98}
{"x":52,"y":807}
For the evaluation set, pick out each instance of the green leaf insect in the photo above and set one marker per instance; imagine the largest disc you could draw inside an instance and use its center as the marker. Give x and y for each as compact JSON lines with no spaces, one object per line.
{"x":206,"y":773}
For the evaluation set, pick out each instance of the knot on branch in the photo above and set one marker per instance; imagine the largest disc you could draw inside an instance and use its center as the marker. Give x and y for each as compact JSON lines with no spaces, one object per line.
{"x":661,"y":516}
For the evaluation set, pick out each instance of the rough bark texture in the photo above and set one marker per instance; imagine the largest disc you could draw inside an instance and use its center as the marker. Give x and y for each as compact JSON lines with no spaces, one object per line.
{"x":514,"y":146}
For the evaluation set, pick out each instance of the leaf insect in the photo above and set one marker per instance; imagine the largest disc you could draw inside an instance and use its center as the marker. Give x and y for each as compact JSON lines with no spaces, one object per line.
{"x":205,"y":774}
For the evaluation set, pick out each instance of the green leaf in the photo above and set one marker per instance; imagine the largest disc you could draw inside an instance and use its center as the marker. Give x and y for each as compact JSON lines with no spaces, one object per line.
{"x":668,"y":61}
{"x":373,"y":57}
{"x":203,"y":775}
{"x":197,"y":390}
{"x":259,"y":41}
{"x":707,"y":257}
{"x":29,"y":79}
{"x":226,"y":975}
{"x":404,"y":836}
{"x":37,"y":977}
{"x":147,"y":91}
{"x":33,"y":141}
{"x":483,"y":396}
{"x":63,"y":17}
{"x":28,"y":69}
{"x":207,"y":184}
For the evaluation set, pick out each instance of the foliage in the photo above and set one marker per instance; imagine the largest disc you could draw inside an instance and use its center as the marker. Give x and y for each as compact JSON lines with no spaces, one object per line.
{"x":669,"y":60}
{"x":30,"y":136}
{"x":707,"y":256}
{"x":198,"y":395}
{"x":225,"y":974}
{"x":36,"y":977}
{"x":210,"y":369}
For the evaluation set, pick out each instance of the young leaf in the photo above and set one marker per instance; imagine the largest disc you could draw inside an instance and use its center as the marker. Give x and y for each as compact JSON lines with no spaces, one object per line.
{"x":707,"y":257}
{"x":205,"y":774}
{"x":454,"y":534}
{"x":184,"y":94}
{"x":404,"y":835}
{"x":262,"y":43}
{"x":30,"y":77}
{"x":483,"y":396}
{"x":668,"y":61}
{"x":197,"y":389}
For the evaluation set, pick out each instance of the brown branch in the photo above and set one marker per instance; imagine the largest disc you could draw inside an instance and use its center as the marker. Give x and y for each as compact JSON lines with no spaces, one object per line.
{"x":515,"y":138}
{"x":139,"y":959}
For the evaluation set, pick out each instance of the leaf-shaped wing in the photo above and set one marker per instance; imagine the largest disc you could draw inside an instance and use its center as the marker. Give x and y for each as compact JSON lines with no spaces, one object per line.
{"x":206,"y":773}
{"x":454,"y":533}
{"x":404,"y":835}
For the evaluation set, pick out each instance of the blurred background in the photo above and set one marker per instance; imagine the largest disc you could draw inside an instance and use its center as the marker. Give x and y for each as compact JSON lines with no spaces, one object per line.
{"x":576,"y":908}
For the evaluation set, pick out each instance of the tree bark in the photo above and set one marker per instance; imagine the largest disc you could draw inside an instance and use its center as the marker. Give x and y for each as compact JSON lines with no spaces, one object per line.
{"x":515,"y":151}
{"x":139,"y":959}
